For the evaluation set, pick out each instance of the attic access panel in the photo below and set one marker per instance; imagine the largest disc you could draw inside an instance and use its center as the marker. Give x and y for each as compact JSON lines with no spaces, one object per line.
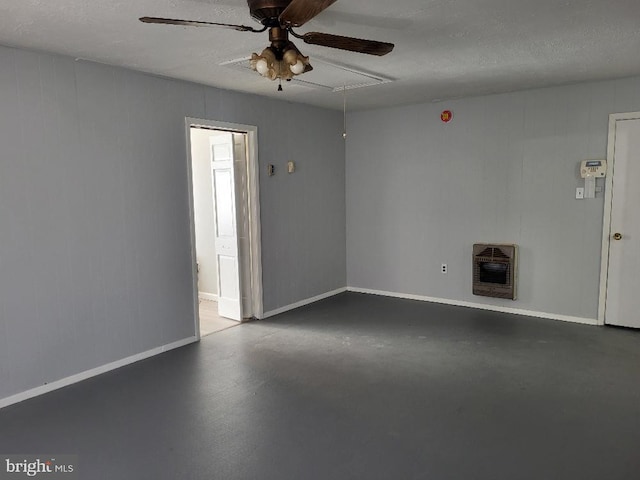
{"x":325,"y":75}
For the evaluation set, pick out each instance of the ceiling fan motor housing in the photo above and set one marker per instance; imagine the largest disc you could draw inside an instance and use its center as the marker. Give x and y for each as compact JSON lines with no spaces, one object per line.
{"x":267,"y":11}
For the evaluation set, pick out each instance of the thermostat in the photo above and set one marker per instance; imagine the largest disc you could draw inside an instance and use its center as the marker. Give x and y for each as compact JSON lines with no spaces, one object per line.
{"x":593,"y":168}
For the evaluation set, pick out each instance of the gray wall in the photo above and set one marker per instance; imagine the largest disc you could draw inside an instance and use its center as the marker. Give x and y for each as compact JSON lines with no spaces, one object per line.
{"x":95,"y":258}
{"x":420,"y":193}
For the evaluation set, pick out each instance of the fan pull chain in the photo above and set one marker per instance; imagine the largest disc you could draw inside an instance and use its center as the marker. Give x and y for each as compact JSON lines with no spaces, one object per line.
{"x":344,"y":111}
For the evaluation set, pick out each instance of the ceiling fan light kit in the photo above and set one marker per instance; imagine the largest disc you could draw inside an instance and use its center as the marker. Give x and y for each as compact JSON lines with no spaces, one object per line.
{"x":282,"y":60}
{"x":270,"y":66}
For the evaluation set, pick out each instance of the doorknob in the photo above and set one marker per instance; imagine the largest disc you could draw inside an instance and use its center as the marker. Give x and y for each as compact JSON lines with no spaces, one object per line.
{"x":617,"y":236}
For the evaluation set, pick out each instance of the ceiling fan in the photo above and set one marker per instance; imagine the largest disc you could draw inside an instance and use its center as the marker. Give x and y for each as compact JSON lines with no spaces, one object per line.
{"x":282,"y":60}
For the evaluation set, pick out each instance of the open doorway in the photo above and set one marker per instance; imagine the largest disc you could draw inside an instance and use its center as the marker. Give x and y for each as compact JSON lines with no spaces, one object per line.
{"x":225,"y":224}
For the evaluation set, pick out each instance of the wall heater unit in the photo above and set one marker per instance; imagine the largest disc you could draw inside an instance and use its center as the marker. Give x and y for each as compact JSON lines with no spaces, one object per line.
{"x":495,"y":268}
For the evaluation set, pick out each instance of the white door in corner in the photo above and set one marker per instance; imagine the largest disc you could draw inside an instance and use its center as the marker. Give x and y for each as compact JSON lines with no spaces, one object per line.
{"x":226,"y":226}
{"x":623,"y":275}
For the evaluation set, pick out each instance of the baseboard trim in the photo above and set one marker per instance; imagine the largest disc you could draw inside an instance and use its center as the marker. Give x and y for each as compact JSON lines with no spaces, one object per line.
{"x":302,"y":303}
{"x":480,"y":306}
{"x":34,"y":392}
{"x":208,"y":296}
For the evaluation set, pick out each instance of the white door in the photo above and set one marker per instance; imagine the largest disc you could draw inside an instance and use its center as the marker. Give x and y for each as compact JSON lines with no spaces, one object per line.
{"x":225,"y":225}
{"x":623,"y":275}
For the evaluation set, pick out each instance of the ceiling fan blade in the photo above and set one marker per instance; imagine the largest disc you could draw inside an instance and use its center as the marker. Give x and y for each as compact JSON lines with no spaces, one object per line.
{"x":370,"y":47}
{"x":299,"y":12}
{"x":193,"y":23}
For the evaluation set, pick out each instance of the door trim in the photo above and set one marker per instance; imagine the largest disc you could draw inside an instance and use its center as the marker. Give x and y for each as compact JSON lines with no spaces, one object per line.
{"x":255,"y":244}
{"x":608,"y":206}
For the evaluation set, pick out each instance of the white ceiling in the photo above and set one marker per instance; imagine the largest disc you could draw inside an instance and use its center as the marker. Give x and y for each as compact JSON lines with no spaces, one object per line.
{"x":444,"y":48}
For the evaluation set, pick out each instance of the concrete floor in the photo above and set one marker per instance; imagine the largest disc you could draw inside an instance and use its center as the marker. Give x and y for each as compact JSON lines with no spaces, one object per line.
{"x":357,"y":387}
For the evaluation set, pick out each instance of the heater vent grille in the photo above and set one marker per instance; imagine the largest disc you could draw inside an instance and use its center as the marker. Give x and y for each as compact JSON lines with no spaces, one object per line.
{"x":493,"y":252}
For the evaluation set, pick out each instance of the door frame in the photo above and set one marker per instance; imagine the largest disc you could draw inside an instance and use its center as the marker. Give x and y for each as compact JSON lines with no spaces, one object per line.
{"x":253,"y":195}
{"x":608,"y":206}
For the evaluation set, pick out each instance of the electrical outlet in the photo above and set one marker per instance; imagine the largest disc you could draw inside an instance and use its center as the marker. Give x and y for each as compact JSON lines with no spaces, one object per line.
{"x":444,"y":268}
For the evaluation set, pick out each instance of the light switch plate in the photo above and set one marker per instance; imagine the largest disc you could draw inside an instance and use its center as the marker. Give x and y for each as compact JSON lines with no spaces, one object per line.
{"x":291,"y":167}
{"x":580,"y":193}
